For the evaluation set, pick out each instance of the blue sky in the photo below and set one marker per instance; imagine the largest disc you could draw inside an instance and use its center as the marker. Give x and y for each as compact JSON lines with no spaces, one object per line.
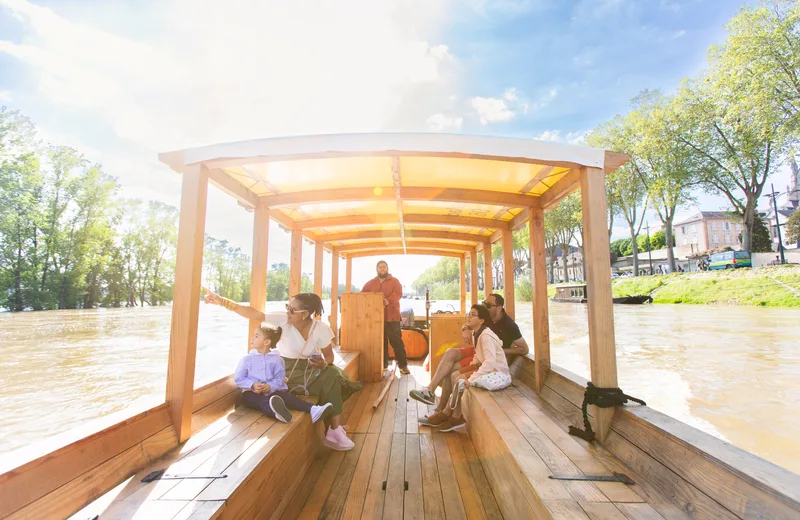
{"x":122,"y":81}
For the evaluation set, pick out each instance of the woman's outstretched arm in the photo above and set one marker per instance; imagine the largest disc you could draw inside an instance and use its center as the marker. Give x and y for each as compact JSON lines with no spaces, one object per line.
{"x":242,"y":310}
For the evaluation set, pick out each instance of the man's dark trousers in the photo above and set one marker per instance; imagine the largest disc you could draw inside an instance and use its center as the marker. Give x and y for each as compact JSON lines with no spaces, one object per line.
{"x":394,"y":335}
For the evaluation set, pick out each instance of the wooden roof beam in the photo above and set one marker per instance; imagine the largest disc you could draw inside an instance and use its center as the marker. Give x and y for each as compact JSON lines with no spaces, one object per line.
{"x":398,"y":197}
{"x":367,"y":220}
{"x":234,"y":188}
{"x":566,"y":185}
{"x":416,"y":193}
{"x":384,"y":244}
{"x":408,"y":251}
{"x":409,"y":234}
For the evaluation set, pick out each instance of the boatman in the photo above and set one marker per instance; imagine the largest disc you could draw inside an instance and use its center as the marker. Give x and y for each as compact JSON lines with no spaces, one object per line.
{"x":392,"y":291}
{"x":457,"y":359}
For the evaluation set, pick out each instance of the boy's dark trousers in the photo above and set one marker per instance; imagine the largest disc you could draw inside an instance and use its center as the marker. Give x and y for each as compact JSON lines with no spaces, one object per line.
{"x":261,"y":402}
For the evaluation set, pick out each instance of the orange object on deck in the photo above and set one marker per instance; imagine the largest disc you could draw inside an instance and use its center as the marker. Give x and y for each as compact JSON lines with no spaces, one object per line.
{"x":416,"y":342}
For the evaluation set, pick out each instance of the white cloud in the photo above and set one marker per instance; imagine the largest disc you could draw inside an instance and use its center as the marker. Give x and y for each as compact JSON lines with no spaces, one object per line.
{"x":569,"y":137}
{"x":250,"y":70}
{"x":209,"y":75}
{"x":492,"y":110}
{"x":5,"y":95}
{"x":443,"y":123}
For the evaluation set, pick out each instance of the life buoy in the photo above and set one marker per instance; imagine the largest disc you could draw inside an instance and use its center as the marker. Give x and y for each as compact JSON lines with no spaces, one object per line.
{"x":415,"y":341}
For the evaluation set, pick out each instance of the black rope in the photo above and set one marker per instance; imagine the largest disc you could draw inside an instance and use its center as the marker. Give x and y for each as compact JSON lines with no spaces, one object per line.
{"x":602,"y":398}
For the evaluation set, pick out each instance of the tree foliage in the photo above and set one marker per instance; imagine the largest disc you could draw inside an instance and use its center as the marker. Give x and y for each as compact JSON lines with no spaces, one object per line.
{"x":793,"y":227}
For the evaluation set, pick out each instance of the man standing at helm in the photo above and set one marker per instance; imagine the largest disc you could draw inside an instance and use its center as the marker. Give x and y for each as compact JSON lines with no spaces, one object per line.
{"x":392,"y":291}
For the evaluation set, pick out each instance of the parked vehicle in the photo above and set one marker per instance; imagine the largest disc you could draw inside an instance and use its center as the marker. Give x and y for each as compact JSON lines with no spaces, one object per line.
{"x":729,"y":260}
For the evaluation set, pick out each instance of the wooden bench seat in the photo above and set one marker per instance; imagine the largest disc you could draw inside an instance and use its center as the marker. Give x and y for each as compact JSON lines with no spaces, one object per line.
{"x":264,"y":461}
{"x":521,"y":446}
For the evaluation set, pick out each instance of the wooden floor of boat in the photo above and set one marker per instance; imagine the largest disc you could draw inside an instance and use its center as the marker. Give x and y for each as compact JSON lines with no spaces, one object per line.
{"x":443,"y":474}
{"x":442,"y":471}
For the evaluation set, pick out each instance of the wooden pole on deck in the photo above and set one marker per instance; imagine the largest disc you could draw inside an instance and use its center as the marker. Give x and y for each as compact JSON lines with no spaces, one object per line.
{"x":541,"y":320}
{"x":186,"y":299}
{"x":334,"y":317}
{"x":487,"y":270}
{"x":508,"y":272}
{"x":473,"y":276}
{"x":296,"y":262}
{"x":462,"y":279}
{"x":258,"y":267}
{"x":348,"y":274}
{"x":597,"y":268}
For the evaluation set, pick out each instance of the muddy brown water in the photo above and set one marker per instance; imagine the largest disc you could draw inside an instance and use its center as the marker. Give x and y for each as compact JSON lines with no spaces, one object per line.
{"x":733,"y":372}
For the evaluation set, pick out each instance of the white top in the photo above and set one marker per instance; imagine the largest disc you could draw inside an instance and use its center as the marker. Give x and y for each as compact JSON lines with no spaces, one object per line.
{"x":292,"y":345}
{"x":489,"y":353}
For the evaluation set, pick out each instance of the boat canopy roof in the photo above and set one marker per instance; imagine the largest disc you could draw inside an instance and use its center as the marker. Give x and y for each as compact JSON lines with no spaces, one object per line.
{"x":438,"y":194}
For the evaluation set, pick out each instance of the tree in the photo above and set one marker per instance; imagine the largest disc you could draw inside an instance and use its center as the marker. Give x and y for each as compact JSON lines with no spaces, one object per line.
{"x":793,"y":227}
{"x":666,"y":167}
{"x":642,"y":244}
{"x":658,"y":240}
{"x":445,"y":271}
{"x":762,"y":241}
{"x":740,"y":118}
{"x":626,"y":191}
{"x":761,"y":57}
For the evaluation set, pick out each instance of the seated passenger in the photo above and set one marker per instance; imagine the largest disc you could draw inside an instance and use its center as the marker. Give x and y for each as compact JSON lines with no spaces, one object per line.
{"x":261,"y":373}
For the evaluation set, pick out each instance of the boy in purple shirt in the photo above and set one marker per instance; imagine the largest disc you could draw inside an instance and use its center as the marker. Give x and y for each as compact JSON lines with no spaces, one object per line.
{"x":261,"y":374}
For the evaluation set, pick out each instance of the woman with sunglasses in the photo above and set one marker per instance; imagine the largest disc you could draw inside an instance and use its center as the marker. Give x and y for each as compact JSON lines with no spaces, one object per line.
{"x":306,"y":346}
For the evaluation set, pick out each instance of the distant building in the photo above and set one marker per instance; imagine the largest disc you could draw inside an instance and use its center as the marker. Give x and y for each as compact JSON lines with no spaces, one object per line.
{"x":708,"y":230}
{"x":574,"y":267}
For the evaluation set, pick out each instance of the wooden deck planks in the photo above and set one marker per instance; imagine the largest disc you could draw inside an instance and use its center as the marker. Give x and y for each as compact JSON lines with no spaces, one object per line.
{"x":413,"y":502}
{"x":470,"y":497}
{"x":527,"y":401}
{"x":354,"y":504}
{"x":553,"y":457}
{"x":451,"y":495}
{"x":478,"y":475}
{"x":395,"y":480}
{"x":374,"y":499}
{"x":334,"y":505}
{"x":431,"y":488}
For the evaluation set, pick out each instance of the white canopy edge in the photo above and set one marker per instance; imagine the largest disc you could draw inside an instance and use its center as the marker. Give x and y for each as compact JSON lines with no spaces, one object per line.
{"x":385,"y":144}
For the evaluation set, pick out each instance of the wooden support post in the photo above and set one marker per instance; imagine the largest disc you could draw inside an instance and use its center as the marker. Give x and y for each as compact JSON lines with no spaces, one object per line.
{"x":186,"y":299}
{"x":296,"y":263}
{"x":597,"y":267}
{"x":348,"y":274}
{"x":318,"y":250}
{"x":541,"y":320}
{"x":333,"y":319}
{"x":508,"y":272}
{"x":487,"y":270}
{"x":462,"y":279}
{"x":473,"y":276}
{"x":258,"y":267}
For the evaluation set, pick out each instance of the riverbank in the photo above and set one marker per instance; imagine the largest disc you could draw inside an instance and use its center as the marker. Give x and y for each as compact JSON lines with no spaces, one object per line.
{"x":774,"y":286}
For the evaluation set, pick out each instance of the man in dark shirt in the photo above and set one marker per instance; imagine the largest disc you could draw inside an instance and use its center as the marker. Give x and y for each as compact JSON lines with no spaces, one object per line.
{"x":456,"y":359}
{"x":505,"y":328}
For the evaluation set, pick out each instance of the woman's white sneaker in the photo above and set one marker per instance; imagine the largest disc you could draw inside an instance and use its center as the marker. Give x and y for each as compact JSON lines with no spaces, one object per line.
{"x":317,"y":411}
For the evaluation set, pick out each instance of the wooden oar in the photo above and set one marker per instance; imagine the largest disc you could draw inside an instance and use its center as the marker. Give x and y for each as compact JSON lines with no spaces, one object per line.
{"x":389,"y":376}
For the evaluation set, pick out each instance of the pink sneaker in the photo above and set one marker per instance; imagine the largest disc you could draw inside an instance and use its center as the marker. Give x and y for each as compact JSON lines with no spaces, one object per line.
{"x":337,"y":440}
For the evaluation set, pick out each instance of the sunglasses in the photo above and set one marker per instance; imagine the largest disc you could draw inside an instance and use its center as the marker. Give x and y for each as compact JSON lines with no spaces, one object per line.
{"x":292,"y":310}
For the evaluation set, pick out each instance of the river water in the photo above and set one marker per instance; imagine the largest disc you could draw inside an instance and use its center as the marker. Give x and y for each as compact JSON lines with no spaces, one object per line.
{"x":733,"y":372}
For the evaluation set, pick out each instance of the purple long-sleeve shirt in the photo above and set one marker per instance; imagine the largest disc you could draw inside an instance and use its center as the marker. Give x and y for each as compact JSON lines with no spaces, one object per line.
{"x":261,"y":368}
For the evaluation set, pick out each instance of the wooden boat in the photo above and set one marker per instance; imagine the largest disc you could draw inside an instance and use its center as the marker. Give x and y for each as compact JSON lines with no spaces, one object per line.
{"x":362,"y":195}
{"x":577,"y":294}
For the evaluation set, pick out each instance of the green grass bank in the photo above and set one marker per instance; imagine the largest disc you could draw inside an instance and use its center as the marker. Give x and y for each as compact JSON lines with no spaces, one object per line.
{"x":764,"y":286}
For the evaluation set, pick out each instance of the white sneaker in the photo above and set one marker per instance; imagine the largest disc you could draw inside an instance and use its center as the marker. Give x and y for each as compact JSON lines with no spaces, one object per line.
{"x":334,"y":442}
{"x":317,"y":411}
